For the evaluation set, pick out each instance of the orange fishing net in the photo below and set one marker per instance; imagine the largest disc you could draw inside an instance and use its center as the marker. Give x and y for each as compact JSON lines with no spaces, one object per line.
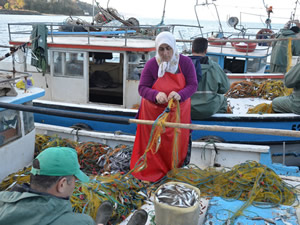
{"x":155,"y":137}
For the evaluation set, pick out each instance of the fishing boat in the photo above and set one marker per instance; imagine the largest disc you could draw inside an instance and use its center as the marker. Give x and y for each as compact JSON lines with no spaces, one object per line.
{"x":108,"y":102}
{"x":99,"y":74}
{"x":17,"y":130}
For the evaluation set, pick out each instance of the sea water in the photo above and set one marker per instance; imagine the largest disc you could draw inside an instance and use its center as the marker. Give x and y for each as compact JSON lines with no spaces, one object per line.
{"x":180,"y":32}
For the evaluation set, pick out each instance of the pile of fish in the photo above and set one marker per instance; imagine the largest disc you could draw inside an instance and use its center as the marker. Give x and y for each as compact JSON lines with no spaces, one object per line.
{"x":177,"y":195}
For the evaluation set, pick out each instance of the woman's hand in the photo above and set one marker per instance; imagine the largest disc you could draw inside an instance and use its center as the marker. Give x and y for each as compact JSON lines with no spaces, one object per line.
{"x":161,"y":98}
{"x":174,"y":95}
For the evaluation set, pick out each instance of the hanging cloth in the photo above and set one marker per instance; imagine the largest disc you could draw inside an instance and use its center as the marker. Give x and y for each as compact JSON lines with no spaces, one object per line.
{"x":160,"y":163}
{"x":39,"y":48}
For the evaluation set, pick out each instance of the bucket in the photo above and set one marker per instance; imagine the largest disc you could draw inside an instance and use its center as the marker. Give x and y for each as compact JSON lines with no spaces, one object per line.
{"x":170,"y":215}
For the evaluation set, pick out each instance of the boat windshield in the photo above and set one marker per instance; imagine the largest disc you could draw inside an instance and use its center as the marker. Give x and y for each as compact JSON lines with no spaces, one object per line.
{"x":28,"y":120}
{"x":9,"y":126}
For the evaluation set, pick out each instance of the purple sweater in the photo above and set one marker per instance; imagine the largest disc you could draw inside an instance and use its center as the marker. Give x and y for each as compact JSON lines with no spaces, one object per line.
{"x":150,"y":75}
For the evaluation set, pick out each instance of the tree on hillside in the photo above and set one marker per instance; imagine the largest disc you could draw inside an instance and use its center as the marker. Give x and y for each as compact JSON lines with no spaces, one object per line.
{"x":14,"y":4}
{"x":65,"y":7}
{"x":20,"y":4}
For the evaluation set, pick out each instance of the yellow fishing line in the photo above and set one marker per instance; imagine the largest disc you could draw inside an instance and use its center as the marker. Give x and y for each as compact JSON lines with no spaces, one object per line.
{"x":289,"y":55}
{"x":154,"y":141}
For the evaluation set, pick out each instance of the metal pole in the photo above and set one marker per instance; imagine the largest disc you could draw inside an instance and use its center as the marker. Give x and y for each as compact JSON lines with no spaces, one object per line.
{"x":63,"y":113}
{"x":163,"y":15}
{"x":93,"y":11}
{"x":283,"y":153}
{"x":123,"y":120}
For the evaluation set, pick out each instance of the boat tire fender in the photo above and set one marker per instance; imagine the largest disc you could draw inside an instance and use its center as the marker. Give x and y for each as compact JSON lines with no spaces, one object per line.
{"x":81,"y":126}
{"x":211,"y":138}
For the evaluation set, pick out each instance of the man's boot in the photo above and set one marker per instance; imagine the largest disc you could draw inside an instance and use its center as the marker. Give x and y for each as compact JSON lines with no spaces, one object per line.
{"x":138,"y":218}
{"x":104,"y":212}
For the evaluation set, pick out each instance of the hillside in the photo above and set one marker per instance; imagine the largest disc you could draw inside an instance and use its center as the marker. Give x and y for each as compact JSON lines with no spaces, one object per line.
{"x":35,"y":7}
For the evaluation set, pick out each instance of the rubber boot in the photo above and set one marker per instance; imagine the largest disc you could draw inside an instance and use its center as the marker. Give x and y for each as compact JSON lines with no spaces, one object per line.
{"x":104,"y":212}
{"x":138,"y":218}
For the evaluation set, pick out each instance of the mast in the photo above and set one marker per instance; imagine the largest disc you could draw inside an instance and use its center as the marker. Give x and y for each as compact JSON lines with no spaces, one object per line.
{"x":294,"y":13}
{"x":93,"y":11}
{"x":163,"y":15}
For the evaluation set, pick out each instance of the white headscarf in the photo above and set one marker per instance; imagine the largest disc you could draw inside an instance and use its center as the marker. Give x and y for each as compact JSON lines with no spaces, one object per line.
{"x":171,"y":66}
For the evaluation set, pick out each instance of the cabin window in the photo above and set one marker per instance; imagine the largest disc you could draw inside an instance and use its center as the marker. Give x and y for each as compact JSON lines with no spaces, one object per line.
{"x":9,"y":126}
{"x":234,"y":64}
{"x":257,"y":65}
{"x":136,"y":63}
{"x":28,"y":120}
{"x":68,"y":64}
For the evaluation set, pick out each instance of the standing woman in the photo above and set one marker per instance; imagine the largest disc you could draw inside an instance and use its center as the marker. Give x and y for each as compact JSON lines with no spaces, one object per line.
{"x":168,"y":75}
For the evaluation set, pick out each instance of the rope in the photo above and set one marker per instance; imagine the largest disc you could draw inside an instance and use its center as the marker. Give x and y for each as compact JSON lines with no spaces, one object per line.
{"x":289,"y":55}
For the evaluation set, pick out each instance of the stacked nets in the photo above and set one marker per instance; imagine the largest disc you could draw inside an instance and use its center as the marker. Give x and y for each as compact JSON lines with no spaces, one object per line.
{"x":261,"y":109}
{"x":251,"y":182}
{"x":94,"y":158}
{"x":242,"y":89}
{"x":250,"y":179}
{"x":268,"y":89}
{"x":125,"y":191}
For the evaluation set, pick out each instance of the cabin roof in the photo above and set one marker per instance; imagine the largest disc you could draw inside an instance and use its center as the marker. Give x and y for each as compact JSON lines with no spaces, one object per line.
{"x":23,"y":96}
{"x":95,"y":43}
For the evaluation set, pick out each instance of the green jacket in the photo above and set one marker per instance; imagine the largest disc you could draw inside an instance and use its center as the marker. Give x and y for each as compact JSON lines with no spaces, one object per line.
{"x":209,"y":98}
{"x":26,"y":208}
{"x":279,"y":56}
{"x":292,"y":80}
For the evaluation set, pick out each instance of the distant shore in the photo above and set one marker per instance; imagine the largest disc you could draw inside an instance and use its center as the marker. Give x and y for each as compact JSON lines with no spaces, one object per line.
{"x":19,"y":12}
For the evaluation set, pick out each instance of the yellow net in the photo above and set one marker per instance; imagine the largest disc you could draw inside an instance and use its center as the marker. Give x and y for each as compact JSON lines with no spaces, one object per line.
{"x":250,"y":182}
{"x":268,"y":89}
{"x":261,"y":109}
{"x":271,"y":89}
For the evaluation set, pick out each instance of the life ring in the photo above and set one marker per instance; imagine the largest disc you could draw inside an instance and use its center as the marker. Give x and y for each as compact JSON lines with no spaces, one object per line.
{"x":265,"y":34}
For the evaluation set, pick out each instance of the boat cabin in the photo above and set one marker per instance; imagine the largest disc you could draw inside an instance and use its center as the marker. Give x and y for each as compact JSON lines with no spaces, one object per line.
{"x":92,"y":68}
{"x":239,"y":57}
{"x":17,"y":131}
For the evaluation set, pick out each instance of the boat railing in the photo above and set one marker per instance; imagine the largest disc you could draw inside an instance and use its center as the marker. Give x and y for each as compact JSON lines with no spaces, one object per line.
{"x":23,"y":30}
{"x":237,"y":43}
{"x":10,"y":75}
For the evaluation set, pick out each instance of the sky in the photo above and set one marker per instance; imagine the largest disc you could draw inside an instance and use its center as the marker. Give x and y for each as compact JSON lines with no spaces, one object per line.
{"x":184,"y":9}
